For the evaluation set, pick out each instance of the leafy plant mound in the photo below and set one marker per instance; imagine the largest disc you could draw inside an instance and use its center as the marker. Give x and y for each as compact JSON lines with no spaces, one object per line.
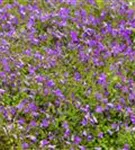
{"x":67,"y":79}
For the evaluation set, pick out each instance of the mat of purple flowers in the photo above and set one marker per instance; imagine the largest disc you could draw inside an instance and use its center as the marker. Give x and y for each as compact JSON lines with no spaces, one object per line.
{"x":67,"y":75}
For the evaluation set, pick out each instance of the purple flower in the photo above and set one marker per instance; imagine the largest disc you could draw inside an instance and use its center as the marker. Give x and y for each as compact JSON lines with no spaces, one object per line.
{"x":99,"y":109}
{"x":33,"y":123}
{"x":25,"y":145}
{"x":67,"y":133}
{"x":38,"y":55}
{"x":50,"y":83}
{"x":2,"y":91}
{"x":131,"y":96}
{"x":124,"y":89}
{"x":110,"y":105}
{"x":30,"y":23}
{"x":45,"y":123}
{"x":72,"y":2}
{"x":31,"y":70}
{"x":58,"y":93}
{"x":122,"y":100}
{"x":77,"y":76}
{"x":32,"y":107}
{"x":114,"y":125}
{"x":65,"y":125}
{"x":82,"y":148}
{"x":91,"y":43}
{"x":101,"y":135}
{"x":126,"y":147}
{"x":89,"y":32}
{"x":92,"y":2}
{"x":102,"y":79}
{"x":2,"y":74}
{"x":74,"y":37}
{"x":22,"y":11}
{"x":39,"y":78}
{"x":21,"y":105}
{"x":6,"y":65}
{"x":132,"y":118}
{"x":89,"y":137}
{"x":84,"y":122}
{"x":28,"y":52}
{"x":21,"y":121}
{"x":62,"y":23}
{"x":46,"y":91}
{"x":13,"y":111}
{"x":119,"y":107}
{"x":98,"y":96}
{"x":44,"y":142}
{"x":34,"y":41}
{"x":64,"y":13}
{"x":77,"y":139}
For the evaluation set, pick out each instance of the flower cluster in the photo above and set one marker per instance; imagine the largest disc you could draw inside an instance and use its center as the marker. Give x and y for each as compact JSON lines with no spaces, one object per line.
{"x":67,"y":78}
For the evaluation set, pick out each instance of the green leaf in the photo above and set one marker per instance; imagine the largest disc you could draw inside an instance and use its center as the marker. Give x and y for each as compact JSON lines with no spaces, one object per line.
{"x":100,"y":3}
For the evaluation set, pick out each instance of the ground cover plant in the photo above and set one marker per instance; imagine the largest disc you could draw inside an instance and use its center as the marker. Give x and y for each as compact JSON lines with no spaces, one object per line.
{"x":67,"y":75}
